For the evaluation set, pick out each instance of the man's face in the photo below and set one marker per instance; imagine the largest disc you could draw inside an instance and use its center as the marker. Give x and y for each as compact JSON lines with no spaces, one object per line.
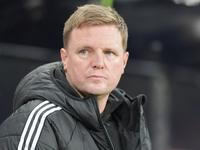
{"x":94,"y":60}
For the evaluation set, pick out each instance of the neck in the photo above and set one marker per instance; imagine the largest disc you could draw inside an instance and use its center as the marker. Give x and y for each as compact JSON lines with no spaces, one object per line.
{"x":101,"y":100}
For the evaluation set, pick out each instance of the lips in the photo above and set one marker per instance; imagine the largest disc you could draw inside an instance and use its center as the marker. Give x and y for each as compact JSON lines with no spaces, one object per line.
{"x":97,"y":77}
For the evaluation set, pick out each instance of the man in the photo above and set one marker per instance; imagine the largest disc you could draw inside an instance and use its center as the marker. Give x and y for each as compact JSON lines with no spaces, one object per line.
{"x":74,"y":104}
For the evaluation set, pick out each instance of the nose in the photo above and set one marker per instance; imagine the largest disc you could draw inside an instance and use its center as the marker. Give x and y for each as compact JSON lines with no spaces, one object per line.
{"x":98,"y":60}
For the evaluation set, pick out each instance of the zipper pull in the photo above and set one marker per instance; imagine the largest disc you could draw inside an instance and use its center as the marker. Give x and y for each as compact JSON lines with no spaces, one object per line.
{"x":107,"y":124}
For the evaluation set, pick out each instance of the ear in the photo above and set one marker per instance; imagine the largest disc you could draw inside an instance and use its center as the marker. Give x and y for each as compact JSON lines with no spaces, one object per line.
{"x":125,"y":59}
{"x":64,"y":58}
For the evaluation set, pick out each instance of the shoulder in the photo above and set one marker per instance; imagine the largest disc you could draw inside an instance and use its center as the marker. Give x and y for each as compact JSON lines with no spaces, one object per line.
{"x":18,"y":118}
{"x":25,"y":125}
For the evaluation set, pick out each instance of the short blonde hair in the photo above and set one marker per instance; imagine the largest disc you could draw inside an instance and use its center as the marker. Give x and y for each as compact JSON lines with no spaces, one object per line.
{"x":95,"y":15}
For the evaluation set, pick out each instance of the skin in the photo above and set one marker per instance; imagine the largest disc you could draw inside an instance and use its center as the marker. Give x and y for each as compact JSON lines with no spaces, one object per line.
{"x":94,"y":61}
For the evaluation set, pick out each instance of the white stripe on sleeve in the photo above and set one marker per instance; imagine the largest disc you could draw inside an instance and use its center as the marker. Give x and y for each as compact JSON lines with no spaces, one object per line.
{"x":34,"y":124}
{"x":39,"y":113}
{"x":41,"y":125}
{"x":28,"y":122}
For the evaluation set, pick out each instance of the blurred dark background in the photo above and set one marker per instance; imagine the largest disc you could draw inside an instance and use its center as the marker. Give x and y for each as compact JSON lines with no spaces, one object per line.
{"x":164,"y":46}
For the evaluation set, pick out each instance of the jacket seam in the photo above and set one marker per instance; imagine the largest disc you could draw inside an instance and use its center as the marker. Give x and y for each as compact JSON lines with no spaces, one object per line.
{"x":66,"y":143}
{"x":71,"y":135}
{"x":45,"y":144}
{"x":9,"y":136}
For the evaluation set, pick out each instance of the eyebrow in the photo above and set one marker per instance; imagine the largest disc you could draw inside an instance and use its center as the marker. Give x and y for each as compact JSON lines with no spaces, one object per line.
{"x":84,"y":47}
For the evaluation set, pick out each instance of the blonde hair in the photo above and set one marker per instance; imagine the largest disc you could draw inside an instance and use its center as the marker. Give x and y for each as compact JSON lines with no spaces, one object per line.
{"x":95,"y":15}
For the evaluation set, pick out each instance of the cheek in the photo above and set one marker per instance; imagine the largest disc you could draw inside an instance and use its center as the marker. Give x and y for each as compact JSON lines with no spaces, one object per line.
{"x":118,"y":67}
{"x":77,"y":69}
{"x":116,"y":71}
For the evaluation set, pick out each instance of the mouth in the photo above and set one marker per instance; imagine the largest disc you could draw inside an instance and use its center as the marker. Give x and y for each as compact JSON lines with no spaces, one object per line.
{"x":96,"y":77}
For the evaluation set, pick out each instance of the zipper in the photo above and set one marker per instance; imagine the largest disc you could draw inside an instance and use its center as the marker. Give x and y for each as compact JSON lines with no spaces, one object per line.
{"x":102,"y":124}
{"x":109,"y":140}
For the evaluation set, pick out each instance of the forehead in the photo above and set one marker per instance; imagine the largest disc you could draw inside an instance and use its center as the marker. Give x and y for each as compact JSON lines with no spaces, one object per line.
{"x":91,"y":29}
{"x":99,"y":34}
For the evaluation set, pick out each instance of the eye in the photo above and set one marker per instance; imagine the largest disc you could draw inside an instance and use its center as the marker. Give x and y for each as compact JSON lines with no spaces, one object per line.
{"x":84,"y":52}
{"x":109,"y":53}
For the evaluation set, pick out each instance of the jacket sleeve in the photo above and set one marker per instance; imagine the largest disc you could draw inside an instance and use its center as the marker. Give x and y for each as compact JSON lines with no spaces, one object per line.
{"x":28,"y":128}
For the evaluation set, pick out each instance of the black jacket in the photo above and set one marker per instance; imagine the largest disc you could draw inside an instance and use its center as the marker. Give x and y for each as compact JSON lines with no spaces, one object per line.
{"x":48,"y":117}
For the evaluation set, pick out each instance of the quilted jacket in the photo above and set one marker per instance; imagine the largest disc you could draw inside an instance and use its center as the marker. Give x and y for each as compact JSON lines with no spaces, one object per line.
{"x":48,"y":117}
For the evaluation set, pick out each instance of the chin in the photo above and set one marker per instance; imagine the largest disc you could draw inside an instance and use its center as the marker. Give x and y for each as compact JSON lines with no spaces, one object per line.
{"x":100,"y":91}
{"x":97,"y":89}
